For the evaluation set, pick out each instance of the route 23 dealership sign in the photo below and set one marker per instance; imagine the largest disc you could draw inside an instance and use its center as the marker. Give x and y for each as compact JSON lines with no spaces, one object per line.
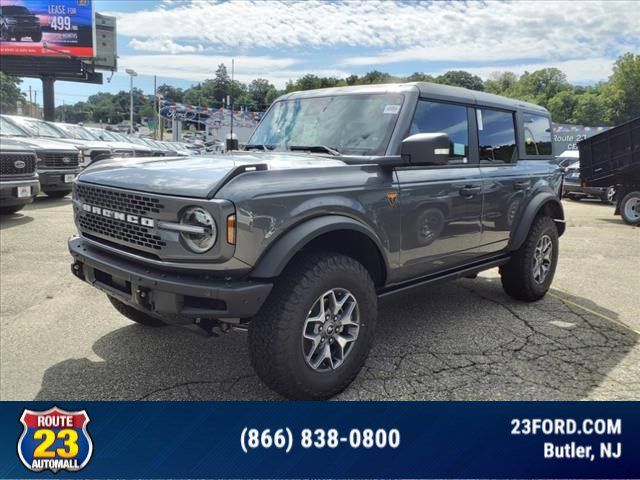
{"x":55,"y":440}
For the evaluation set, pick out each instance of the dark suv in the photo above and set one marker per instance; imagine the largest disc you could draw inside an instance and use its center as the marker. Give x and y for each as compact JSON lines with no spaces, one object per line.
{"x":17,"y":22}
{"x":18,"y":177}
{"x":343,"y":196}
{"x":57,"y":162}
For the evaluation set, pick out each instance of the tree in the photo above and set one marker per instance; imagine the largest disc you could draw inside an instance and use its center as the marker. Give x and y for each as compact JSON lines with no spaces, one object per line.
{"x":461,"y":78}
{"x":376,"y":77}
{"x":10,"y":94}
{"x":540,"y":86}
{"x":169,"y":92}
{"x":590,"y":109}
{"x":562,"y":106}
{"x":420,"y":77}
{"x":622,"y":92}
{"x":500,"y":82}
{"x":258,"y":89}
{"x":221,"y":84}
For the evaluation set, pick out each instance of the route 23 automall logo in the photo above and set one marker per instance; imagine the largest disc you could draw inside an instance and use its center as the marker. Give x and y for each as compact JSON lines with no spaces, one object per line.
{"x":55,"y":440}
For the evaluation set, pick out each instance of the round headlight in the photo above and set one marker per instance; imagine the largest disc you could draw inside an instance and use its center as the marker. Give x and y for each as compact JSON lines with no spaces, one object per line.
{"x":204,"y":233}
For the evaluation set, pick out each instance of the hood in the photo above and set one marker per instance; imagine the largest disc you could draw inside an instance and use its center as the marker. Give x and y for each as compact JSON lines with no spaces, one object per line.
{"x":84,"y":144}
{"x":198,"y":177}
{"x":42,"y":144}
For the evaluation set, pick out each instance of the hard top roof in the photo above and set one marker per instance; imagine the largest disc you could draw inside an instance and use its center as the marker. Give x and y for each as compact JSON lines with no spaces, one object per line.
{"x":434,"y":91}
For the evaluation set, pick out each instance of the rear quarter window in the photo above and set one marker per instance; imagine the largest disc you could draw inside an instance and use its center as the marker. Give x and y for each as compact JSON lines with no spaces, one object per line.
{"x":537,"y":134}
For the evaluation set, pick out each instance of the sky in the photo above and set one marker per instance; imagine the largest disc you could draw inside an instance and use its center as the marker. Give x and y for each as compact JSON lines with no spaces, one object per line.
{"x":182,"y":42}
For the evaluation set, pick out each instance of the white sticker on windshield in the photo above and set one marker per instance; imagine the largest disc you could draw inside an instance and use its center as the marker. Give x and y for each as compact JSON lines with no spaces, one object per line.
{"x":391,"y":109}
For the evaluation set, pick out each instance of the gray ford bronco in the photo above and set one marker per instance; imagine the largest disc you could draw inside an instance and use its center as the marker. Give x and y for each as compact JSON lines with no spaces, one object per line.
{"x":341,"y":197}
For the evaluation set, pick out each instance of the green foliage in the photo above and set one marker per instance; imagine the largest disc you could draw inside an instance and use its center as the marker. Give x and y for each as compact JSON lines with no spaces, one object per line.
{"x":460,"y":78}
{"x":622,"y":92}
{"x":607,"y":103}
{"x":10,"y":93}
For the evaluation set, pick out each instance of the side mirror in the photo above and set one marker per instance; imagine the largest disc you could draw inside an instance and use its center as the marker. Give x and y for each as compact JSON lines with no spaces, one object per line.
{"x":426,"y":149}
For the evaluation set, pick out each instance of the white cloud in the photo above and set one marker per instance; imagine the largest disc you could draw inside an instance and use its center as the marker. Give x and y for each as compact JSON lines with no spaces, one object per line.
{"x":419,"y":30}
{"x":164,"y":46}
{"x":198,"y":67}
{"x":581,"y":37}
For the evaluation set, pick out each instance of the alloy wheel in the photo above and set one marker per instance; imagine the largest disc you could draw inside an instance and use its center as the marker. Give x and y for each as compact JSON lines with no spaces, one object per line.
{"x":542,"y":257}
{"x":330,"y":330}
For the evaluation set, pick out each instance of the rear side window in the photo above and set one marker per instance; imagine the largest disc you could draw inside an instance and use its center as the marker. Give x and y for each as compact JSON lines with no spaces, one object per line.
{"x":434,"y":117}
{"x":537,"y":134}
{"x":496,"y":136}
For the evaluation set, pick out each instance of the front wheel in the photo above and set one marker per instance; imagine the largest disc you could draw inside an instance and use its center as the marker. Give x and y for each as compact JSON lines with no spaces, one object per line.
{"x":36,"y":37}
{"x":313,"y":335}
{"x":609,"y":196}
{"x":529,"y":273}
{"x":630,"y":208}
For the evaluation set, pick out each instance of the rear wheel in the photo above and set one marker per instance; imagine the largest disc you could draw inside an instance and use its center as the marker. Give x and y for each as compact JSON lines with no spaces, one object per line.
{"x":10,"y":210}
{"x":57,"y":193}
{"x":313,"y":335}
{"x":529,"y":273}
{"x":630,"y":208}
{"x":135,"y":315}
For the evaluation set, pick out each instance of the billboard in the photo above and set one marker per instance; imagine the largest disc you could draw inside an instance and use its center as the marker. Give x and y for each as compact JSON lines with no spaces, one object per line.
{"x":51,"y":28}
{"x":566,"y":137}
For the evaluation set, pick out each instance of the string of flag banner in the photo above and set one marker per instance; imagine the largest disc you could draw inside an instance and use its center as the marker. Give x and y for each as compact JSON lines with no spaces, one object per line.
{"x":212,"y":116}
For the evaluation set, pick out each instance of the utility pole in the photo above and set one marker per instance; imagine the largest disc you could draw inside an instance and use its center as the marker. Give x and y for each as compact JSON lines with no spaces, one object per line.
{"x":155,"y":107}
{"x":231,"y":92}
{"x":30,"y":103}
{"x":132,"y":73}
{"x":35,"y":101}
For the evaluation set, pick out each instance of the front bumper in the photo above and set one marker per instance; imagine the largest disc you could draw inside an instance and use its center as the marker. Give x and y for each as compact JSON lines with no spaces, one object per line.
{"x":9,"y":191}
{"x":52,"y":180}
{"x":175,"y":297}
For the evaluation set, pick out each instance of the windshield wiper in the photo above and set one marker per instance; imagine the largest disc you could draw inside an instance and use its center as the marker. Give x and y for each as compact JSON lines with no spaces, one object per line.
{"x":315,"y":148}
{"x":259,"y":146}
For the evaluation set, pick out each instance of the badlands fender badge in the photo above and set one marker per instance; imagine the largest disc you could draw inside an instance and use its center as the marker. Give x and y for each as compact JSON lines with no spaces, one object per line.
{"x":55,"y":440}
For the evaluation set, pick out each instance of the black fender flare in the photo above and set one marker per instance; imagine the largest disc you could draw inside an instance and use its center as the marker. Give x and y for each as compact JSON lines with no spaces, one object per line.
{"x":542,"y":200}
{"x":275,"y":259}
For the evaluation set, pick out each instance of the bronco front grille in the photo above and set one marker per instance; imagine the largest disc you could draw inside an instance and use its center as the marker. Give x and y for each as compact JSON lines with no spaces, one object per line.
{"x":17,"y":164}
{"x":134,"y":203}
{"x":60,"y":160}
{"x":133,"y":234}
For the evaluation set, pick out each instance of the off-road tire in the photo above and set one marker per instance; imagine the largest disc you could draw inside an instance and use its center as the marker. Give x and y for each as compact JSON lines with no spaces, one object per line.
{"x":10,"y":210}
{"x":275,"y":334}
{"x":518,"y":276}
{"x":630,"y":220}
{"x":135,"y":315}
{"x":57,"y":193}
{"x":36,"y":37}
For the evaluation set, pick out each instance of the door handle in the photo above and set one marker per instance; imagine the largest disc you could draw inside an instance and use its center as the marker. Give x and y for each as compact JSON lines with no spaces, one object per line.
{"x":522,"y":185}
{"x":470,"y":190}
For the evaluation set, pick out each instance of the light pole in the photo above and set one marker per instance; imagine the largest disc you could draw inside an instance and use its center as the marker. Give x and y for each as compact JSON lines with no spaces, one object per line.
{"x":132,"y":73}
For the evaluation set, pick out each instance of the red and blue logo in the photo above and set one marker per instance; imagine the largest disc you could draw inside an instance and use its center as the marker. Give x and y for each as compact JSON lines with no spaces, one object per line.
{"x":55,"y":440}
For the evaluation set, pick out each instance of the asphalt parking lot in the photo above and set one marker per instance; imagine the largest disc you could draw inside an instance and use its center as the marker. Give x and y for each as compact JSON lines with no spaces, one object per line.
{"x":466,"y":340}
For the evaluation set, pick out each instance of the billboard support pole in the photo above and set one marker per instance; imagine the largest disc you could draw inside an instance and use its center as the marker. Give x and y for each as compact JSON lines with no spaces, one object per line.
{"x":48,"y":98}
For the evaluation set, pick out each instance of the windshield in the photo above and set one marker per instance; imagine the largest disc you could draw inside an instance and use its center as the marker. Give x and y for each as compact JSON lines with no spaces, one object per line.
{"x":8,"y":129}
{"x":349,"y":124}
{"x":77,"y":132}
{"x":38,"y":128}
{"x":15,"y":10}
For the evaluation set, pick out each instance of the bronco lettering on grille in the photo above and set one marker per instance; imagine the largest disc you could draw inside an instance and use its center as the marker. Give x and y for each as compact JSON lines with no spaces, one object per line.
{"x":123,"y":217}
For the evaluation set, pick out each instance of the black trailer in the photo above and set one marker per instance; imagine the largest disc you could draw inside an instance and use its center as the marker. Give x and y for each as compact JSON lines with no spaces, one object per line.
{"x":613,"y":158}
